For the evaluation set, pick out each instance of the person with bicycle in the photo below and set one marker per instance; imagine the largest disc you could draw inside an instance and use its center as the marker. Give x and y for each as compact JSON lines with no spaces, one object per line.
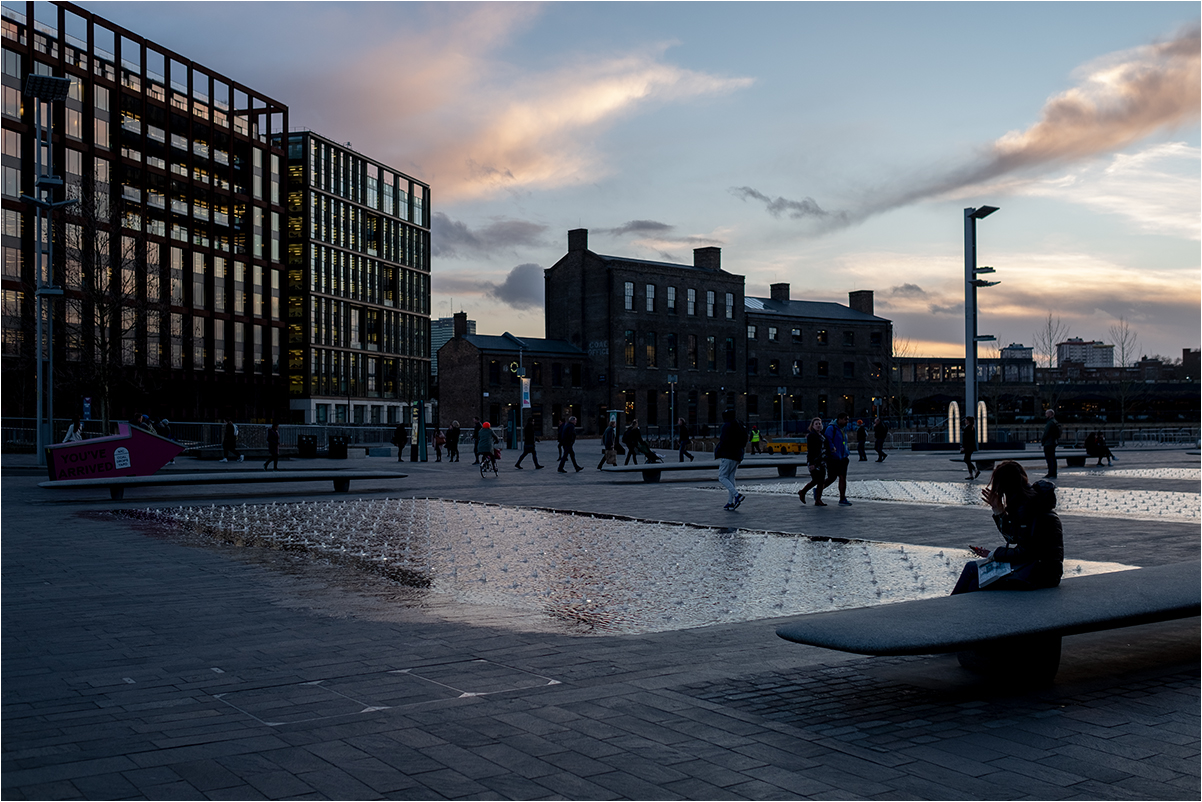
{"x":486,"y":442}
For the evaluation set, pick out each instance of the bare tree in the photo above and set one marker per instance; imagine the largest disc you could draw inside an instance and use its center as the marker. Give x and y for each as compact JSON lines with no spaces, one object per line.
{"x":105,"y":306}
{"x":1047,"y":336}
{"x":1127,"y":386}
{"x":887,"y":381}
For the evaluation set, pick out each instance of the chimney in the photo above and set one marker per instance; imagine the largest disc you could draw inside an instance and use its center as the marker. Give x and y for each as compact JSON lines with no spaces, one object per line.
{"x":861,"y":301}
{"x":780,"y":292}
{"x":460,"y":324}
{"x":578,"y":240}
{"x":707,"y":258}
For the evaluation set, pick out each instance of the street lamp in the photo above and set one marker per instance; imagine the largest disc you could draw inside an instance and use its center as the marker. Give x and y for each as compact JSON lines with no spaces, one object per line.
{"x":971,"y":283}
{"x":44,"y":90}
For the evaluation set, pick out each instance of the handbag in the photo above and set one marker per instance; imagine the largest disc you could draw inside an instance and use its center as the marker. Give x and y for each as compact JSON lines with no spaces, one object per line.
{"x":440,"y":440}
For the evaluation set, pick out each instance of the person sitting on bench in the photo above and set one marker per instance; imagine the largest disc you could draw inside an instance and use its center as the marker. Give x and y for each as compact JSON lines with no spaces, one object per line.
{"x":1033,"y":556}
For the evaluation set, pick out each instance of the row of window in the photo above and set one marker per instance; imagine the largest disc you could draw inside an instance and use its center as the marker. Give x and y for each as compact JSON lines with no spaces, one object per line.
{"x":349,"y":176}
{"x":360,"y":278}
{"x":703,"y":407}
{"x":775,"y":334}
{"x":358,"y":375}
{"x":559,"y":374}
{"x":715,"y":306}
{"x":347,"y":226}
{"x":345,"y":325}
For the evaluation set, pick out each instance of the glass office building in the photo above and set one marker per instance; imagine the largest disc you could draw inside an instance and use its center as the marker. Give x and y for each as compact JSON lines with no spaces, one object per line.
{"x":358,"y":291}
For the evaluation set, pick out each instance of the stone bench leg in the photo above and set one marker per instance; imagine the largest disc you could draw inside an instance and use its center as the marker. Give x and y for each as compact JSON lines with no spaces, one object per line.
{"x":342,"y":485}
{"x":1074,"y":462}
{"x":1025,"y":661}
{"x":116,"y":492}
{"x":786,"y":470}
{"x":651,"y":476}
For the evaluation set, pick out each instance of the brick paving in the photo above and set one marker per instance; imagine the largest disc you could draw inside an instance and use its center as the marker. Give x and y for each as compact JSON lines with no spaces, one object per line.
{"x":139,"y":666}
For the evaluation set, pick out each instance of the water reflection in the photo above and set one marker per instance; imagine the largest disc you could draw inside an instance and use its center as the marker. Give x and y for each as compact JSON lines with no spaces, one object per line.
{"x":592,"y":574}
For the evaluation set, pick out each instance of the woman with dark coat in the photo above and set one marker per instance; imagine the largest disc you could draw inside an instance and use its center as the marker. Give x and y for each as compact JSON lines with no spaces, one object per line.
{"x":273,"y":446}
{"x":969,"y":440}
{"x":815,"y":462}
{"x":632,"y":437}
{"x":1033,"y":556}
{"x":686,"y":439}
{"x":453,"y":442}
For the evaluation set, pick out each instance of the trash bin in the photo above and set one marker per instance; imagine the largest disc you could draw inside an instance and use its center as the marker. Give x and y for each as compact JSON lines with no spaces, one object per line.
{"x":337,"y":447}
{"x":306,"y":446}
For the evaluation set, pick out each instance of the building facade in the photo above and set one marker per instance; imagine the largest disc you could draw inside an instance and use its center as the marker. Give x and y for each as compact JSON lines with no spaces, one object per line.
{"x":441,"y":331}
{"x":669,"y":341}
{"x":358,"y":292}
{"x":1091,"y":354}
{"x":171,"y":257}
{"x":480,"y":377}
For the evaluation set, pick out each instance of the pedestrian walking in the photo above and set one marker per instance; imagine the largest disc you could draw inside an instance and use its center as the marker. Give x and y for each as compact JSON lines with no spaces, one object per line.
{"x":838,"y":457}
{"x":968,"y":439}
{"x":273,"y":446}
{"x":399,"y":436}
{"x":559,"y":437}
{"x":755,"y":438}
{"x":631,"y":439}
{"x":568,"y":441}
{"x":74,"y":432}
{"x":608,"y":440}
{"x":732,"y":437}
{"x":686,"y":439}
{"x":862,"y":440}
{"x":1051,"y":433}
{"x":229,"y":441}
{"x":476,"y":427}
{"x":815,"y":462}
{"x":439,"y":441}
{"x":529,"y":437}
{"x":453,"y":442}
{"x":879,"y":432}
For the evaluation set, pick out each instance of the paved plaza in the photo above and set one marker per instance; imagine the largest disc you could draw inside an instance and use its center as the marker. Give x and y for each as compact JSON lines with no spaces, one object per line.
{"x":600,"y":638}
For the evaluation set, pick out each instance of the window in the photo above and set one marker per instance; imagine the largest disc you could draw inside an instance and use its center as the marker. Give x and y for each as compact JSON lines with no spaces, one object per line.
{"x":709,"y":303}
{"x":652,"y":408}
{"x":711,"y":353}
{"x":692,"y":302}
{"x":556,"y":374}
{"x":849,"y":370}
{"x":730,"y":353}
{"x":577,"y":375}
{"x":672,"y":300}
{"x":820,"y":336}
{"x":649,"y":344}
{"x":822,"y":411}
{"x":670,"y":344}
{"x":650,"y":297}
{"x":773,"y":367}
{"x":494,"y":372}
{"x":730,"y":306}
{"x":773,"y":335}
{"x":796,"y":334}
{"x":628,"y":347}
{"x":797,"y":368}
{"x":849,"y":338}
{"x":751,"y":332}
{"x":877,"y":370}
{"x":753,"y":366}
{"x":875,"y":338}
{"x":753,"y":405}
{"x":691,"y":357}
{"x":628,"y":292}
{"x":823,"y":369}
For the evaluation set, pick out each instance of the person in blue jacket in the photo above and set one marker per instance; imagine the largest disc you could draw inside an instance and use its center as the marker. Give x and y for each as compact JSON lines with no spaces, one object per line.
{"x":838,"y":457}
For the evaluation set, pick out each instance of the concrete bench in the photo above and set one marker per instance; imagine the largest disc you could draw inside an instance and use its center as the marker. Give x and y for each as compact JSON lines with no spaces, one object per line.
{"x":116,"y":485}
{"x":1073,"y":457}
{"x":651,"y":472}
{"x":1013,"y":632}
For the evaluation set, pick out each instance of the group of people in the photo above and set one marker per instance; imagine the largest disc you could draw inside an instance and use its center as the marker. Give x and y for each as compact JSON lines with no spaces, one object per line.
{"x":828,"y":455}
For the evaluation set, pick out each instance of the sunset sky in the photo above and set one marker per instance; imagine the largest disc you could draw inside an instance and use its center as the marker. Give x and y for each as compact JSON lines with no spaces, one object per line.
{"x":829,"y":145}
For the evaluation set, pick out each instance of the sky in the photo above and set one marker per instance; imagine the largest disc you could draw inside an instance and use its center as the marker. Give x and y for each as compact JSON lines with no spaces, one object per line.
{"x":833,"y":146}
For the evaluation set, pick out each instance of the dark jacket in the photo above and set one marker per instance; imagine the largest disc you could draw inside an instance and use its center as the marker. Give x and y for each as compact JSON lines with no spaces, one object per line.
{"x":731,"y":439}
{"x":528,"y":434}
{"x":273,"y":442}
{"x":1051,"y":432}
{"x":568,"y":435}
{"x":1034,"y":536}
{"x":485,"y":441}
{"x":815,"y":448}
{"x":968,"y":439}
{"x":452,"y":436}
{"x":631,"y":437}
{"x":684,"y":435}
{"x":880,"y":430}
{"x":862,"y":435}
{"x":610,"y":437}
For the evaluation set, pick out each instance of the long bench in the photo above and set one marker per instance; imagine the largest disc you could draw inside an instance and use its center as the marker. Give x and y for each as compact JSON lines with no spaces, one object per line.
{"x":1008,"y":631}
{"x":1073,"y":457}
{"x":651,"y":471}
{"x":116,"y":485}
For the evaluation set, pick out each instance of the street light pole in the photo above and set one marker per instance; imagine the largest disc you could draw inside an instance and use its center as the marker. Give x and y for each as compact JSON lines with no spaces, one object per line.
{"x":971,"y":283}
{"x":44,"y":90}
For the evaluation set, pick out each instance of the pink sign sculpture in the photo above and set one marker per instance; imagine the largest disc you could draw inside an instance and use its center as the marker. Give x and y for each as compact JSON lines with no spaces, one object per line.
{"x":130,"y":452}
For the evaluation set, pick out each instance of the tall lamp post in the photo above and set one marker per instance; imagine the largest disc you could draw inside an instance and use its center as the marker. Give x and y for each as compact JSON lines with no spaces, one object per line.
{"x":971,"y":283}
{"x":44,"y":90}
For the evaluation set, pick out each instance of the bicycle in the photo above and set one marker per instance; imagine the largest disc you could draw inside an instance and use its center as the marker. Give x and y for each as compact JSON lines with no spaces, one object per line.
{"x":488,"y":462}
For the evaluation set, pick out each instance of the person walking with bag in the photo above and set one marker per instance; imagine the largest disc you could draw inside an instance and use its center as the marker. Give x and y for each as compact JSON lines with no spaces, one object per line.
{"x":439,"y":441}
{"x":968,"y":439}
{"x":862,"y":440}
{"x":608,"y":441}
{"x":229,"y":441}
{"x":815,"y":462}
{"x":273,"y":446}
{"x":879,"y":432}
{"x":568,"y":441}
{"x":631,"y":438}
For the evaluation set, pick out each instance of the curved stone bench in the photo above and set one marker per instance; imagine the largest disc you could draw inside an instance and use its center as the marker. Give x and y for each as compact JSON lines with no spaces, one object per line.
{"x":1073,"y":457}
{"x":1011,"y":631}
{"x":651,"y":472}
{"x":116,"y":485}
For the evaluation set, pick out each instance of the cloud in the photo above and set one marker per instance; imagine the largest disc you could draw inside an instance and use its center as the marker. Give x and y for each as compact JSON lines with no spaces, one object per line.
{"x":638,"y":227}
{"x":522,"y":288}
{"x":908,"y":291}
{"x":1118,"y":101}
{"x":453,"y":239}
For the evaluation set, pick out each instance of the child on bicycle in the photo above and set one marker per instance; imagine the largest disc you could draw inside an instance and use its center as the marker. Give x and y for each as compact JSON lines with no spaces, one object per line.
{"x":486,"y":441}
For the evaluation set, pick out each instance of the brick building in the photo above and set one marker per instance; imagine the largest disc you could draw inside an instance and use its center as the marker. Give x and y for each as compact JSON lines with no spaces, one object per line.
{"x":479,"y":376}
